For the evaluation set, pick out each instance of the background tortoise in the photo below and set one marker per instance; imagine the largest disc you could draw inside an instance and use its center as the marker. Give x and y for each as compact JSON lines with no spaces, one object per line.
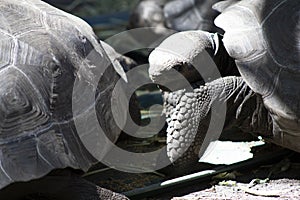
{"x":263,"y":99}
{"x":42,"y":50}
{"x":184,"y":15}
{"x":179,"y":15}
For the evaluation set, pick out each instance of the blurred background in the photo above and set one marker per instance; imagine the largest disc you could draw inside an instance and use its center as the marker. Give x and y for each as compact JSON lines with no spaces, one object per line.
{"x":107,"y":17}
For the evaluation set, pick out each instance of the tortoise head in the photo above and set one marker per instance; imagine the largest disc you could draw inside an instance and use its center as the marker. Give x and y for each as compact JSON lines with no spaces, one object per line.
{"x":190,"y":56}
{"x":173,"y":62}
{"x":148,"y":13}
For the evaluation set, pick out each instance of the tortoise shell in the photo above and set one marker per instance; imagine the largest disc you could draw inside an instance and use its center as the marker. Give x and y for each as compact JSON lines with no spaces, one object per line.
{"x":41,"y":50}
{"x":263,"y":37}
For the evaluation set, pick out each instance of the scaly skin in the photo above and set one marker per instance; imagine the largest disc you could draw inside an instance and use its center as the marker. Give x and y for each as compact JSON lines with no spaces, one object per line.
{"x":188,"y":124}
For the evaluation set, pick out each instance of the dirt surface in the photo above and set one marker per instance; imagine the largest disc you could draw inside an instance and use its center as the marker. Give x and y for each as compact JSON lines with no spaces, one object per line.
{"x":277,"y":180}
{"x":274,"y":189}
{"x":245,"y":183}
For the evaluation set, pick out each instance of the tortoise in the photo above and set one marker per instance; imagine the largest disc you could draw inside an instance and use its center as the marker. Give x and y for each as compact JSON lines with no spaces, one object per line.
{"x":182,"y":15}
{"x":179,"y":15}
{"x":43,"y":49}
{"x":262,"y":38}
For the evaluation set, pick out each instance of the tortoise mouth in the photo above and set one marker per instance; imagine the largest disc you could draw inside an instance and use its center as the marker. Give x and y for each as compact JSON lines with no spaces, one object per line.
{"x":172,"y":83}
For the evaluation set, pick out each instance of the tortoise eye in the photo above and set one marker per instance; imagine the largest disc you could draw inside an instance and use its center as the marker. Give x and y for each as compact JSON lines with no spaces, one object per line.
{"x":178,"y":68}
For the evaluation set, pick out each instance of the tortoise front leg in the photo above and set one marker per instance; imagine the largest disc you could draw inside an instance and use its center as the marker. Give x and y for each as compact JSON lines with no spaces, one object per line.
{"x":188,"y":125}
